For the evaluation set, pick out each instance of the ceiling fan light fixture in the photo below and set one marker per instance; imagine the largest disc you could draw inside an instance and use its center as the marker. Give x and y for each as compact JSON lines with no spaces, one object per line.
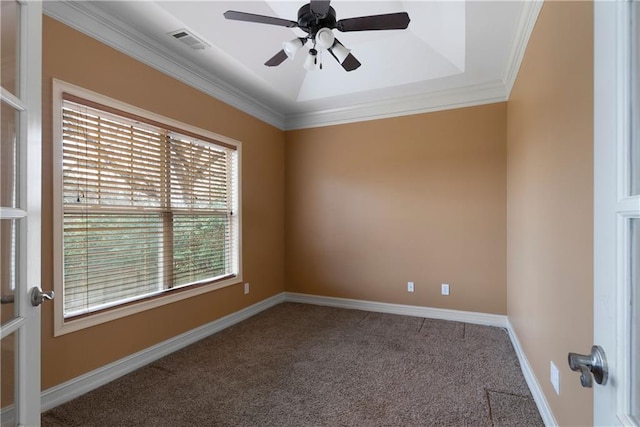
{"x":311,"y":63}
{"x":340,"y":52}
{"x":318,"y":19}
{"x":324,"y":38}
{"x":292,"y":47}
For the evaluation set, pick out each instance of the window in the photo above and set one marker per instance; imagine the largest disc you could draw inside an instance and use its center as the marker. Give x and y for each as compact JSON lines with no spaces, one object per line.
{"x":149,"y":209}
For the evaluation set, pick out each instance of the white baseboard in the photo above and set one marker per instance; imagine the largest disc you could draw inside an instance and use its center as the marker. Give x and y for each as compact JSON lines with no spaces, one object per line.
{"x":91,"y":380}
{"x":407,"y":310}
{"x":532,"y":381}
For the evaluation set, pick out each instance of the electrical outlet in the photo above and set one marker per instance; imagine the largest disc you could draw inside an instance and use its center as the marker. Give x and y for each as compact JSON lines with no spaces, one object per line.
{"x":246,"y":288}
{"x":555,"y":378}
{"x":445,"y":289}
{"x":410,"y":287}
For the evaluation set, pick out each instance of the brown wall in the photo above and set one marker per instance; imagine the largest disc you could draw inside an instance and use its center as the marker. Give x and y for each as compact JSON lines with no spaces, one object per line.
{"x":72,"y":57}
{"x":373,"y":205}
{"x":550,"y":202}
{"x":366,"y":207}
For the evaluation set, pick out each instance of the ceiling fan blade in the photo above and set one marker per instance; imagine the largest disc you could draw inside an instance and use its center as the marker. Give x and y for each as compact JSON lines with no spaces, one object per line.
{"x":260,"y":19}
{"x":390,"y":21}
{"x":277,"y":59}
{"x":351,"y":63}
{"x":320,"y":7}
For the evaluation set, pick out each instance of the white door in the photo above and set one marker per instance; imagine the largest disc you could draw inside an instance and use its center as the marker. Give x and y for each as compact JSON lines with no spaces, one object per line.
{"x":617,"y":209}
{"x":20,"y":176}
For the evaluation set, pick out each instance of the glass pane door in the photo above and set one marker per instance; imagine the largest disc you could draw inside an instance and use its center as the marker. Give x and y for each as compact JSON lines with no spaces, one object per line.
{"x":20,"y":190}
{"x":7,"y":384}
{"x":9,"y":205}
{"x":9,"y":201}
{"x":635,"y":318}
{"x":9,"y":45}
{"x":633,"y":229}
{"x":634,"y":149}
{"x":617,"y":208}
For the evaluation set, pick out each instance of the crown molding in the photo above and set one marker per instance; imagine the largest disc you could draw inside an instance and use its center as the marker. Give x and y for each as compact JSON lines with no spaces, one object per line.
{"x":460,"y":97}
{"x":87,"y":19}
{"x":526,"y":23}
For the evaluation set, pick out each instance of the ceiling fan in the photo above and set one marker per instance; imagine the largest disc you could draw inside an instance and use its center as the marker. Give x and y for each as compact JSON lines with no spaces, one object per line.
{"x":318,"y":20}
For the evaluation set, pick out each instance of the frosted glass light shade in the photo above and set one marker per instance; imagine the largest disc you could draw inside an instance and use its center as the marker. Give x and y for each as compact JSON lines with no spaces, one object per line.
{"x":292,"y":47}
{"x":340,"y":52}
{"x":311,"y":63}
{"x":324,"y":38}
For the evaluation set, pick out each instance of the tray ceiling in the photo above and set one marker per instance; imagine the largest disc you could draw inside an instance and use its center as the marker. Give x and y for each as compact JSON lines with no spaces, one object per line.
{"x":454,"y":53}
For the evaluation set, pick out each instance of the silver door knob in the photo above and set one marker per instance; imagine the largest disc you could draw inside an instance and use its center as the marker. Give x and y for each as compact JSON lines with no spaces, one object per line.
{"x":37,"y":296}
{"x":590,"y":364}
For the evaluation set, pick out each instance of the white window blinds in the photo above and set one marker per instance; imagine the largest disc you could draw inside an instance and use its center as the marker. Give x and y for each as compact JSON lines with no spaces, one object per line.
{"x":147,"y":208}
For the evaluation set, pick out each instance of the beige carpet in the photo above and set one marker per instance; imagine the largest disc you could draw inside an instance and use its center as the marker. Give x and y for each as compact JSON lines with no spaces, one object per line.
{"x":304,"y":365}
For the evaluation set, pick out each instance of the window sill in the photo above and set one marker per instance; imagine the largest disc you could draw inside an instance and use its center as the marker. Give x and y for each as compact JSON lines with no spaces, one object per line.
{"x":65,"y":326}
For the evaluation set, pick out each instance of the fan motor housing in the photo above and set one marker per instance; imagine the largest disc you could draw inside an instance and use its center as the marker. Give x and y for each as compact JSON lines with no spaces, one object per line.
{"x":311,"y":23}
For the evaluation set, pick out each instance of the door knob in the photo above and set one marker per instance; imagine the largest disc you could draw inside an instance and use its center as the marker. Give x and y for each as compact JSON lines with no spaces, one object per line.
{"x":590,"y":364}
{"x":37,"y":296}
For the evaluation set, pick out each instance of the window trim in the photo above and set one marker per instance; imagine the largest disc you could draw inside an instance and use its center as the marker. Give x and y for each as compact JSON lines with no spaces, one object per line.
{"x":62,"y":326}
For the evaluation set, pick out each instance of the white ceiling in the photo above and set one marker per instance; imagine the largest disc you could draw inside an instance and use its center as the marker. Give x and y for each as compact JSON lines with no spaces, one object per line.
{"x":454,"y":53}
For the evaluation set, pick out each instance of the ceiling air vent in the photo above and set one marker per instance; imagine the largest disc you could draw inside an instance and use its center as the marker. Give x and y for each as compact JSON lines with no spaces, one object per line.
{"x":189,"y":39}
